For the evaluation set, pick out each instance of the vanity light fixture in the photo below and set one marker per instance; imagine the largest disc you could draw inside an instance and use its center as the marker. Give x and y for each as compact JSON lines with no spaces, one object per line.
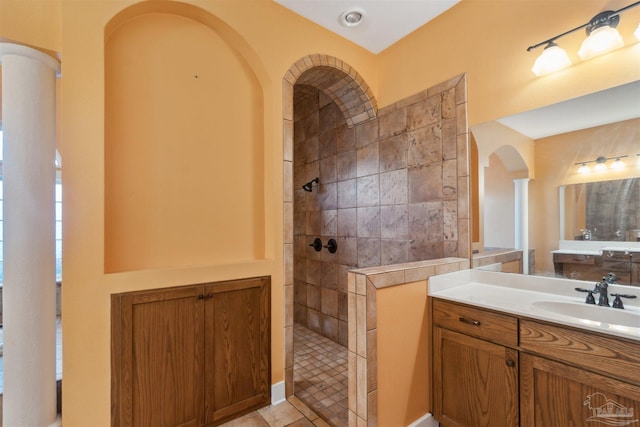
{"x":601,"y":164}
{"x":617,"y":164}
{"x":602,"y":36}
{"x":583,"y":169}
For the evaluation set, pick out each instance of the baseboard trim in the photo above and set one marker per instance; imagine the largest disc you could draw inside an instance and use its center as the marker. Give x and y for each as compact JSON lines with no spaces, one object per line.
{"x":426,"y":420}
{"x":278,"y":393}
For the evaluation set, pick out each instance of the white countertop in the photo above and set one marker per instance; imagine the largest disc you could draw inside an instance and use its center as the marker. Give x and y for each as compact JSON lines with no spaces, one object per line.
{"x":530,"y":296}
{"x":594,"y":247}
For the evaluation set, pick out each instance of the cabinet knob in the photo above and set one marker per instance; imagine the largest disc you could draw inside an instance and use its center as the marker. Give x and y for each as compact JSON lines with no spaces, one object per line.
{"x":511,"y":363}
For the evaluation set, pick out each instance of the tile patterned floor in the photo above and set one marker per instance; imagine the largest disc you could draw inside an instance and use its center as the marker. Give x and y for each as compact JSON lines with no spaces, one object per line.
{"x":320,"y":375}
{"x":292,"y":413}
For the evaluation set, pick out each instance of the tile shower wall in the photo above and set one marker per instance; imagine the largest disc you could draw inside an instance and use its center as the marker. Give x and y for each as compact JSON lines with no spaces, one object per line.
{"x":391,"y":191}
{"x":613,"y":209}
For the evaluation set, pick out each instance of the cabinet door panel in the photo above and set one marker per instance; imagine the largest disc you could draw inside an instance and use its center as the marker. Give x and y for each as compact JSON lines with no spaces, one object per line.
{"x":237,"y":347}
{"x":475,"y":382}
{"x":557,"y":395}
{"x":160,"y":355}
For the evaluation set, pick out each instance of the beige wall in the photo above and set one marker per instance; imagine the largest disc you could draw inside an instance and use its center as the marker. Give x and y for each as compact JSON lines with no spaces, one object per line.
{"x":555,"y":159}
{"x":498,"y":205}
{"x":484,"y":38}
{"x":403,"y":354}
{"x":488,"y":40}
{"x":169,"y":147}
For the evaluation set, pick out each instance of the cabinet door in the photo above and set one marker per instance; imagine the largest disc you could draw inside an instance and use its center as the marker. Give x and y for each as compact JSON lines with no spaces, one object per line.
{"x":237,"y":348}
{"x":475,"y":382}
{"x":157,"y":354}
{"x":557,"y":395}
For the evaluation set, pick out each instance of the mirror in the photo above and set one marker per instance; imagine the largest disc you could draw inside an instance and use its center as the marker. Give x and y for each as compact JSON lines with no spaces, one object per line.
{"x":546,"y":144}
{"x":602,"y":211}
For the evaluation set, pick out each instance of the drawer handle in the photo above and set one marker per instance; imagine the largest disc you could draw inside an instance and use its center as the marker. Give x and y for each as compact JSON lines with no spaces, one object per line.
{"x":511,"y":363}
{"x":469,"y":321}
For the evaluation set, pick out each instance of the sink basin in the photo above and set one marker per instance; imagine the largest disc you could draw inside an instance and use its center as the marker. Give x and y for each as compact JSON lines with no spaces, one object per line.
{"x":591,"y":313}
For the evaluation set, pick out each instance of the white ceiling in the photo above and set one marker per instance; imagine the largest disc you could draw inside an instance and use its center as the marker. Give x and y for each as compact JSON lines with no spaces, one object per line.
{"x":387,"y":21}
{"x":384,"y":22}
{"x":597,"y":109}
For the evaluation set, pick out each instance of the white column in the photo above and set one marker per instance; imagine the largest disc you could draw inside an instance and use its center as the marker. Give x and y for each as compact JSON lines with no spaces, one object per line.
{"x":29,"y":314}
{"x":561,"y":198}
{"x":521,"y":200}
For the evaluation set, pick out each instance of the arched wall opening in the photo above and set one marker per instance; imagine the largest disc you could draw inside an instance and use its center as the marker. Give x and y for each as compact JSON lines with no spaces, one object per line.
{"x":503,"y":156}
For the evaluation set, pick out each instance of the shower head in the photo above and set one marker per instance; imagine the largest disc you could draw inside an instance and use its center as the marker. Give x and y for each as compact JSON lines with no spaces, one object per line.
{"x":309,"y":185}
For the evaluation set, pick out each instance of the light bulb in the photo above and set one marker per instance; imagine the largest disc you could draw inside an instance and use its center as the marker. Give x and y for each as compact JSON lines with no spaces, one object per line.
{"x":637,"y":32}
{"x":600,"y":166}
{"x":584,"y":169}
{"x":601,"y":40}
{"x":617,"y":164}
{"x":553,"y":58}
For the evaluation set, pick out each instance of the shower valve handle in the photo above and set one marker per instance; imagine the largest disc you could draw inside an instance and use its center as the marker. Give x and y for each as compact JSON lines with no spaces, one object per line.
{"x":317,"y":244}
{"x":332,"y":246}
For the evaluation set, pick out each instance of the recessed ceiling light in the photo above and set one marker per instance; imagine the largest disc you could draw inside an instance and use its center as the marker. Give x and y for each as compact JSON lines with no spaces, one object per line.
{"x":352,"y":17}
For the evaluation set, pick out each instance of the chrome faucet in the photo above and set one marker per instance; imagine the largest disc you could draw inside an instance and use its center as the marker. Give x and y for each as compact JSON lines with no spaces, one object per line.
{"x":601,"y":288}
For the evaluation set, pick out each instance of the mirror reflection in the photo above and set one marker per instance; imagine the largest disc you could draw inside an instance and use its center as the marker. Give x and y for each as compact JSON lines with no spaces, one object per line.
{"x":602,"y":211}
{"x":527,"y":168}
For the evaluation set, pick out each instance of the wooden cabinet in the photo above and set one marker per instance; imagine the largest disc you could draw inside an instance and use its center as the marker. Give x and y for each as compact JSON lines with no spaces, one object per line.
{"x":190,"y":356}
{"x":624,"y":264}
{"x":555,"y":394}
{"x":635,"y":268}
{"x":493,"y":369}
{"x":578,"y":266}
{"x":619,"y":263}
{"x":593,"y":379}
{"x":475,"y":380}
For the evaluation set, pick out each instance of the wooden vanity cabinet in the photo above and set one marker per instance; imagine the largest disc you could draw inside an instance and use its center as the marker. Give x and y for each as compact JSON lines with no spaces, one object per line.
{"x":190,"y":356}
{"x":493,"y":369}
{"x":635,"y":269}
{"x":576,"y":378}
{"x":475,"y":373}
{"x":555,"y":394}
{"x":578,"y":266}
{"x":619,"y":263}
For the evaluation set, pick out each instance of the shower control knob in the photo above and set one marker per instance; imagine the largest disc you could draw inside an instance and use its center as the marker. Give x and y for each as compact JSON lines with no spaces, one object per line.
{"x":317,"y":244}
{"x":332,"y":246}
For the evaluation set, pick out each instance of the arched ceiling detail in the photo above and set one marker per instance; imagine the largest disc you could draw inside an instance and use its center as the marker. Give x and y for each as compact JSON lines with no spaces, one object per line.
{"x":340,"y":82}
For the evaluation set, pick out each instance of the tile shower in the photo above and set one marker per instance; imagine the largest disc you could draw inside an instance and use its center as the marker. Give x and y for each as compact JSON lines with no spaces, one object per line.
{"x":389,"y":192}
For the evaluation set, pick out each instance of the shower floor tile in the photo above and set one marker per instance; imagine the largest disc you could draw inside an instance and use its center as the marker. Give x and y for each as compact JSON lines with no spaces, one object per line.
{"x":320,"y":375}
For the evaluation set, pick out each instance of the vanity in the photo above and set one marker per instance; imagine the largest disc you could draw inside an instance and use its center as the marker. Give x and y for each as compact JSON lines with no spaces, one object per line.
{"x":513,"y":350}
{"x":591,"y":260}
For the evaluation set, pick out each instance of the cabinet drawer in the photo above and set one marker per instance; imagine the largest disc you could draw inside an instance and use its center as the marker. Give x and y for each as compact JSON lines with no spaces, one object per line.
{"x":494,"y":327}
{"x":574,"y":259}
{"x":613,"y":356}
{"x":620,"y":256}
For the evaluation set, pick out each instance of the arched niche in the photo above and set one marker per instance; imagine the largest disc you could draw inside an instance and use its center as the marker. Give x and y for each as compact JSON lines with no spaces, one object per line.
{"x":184,"y":137}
